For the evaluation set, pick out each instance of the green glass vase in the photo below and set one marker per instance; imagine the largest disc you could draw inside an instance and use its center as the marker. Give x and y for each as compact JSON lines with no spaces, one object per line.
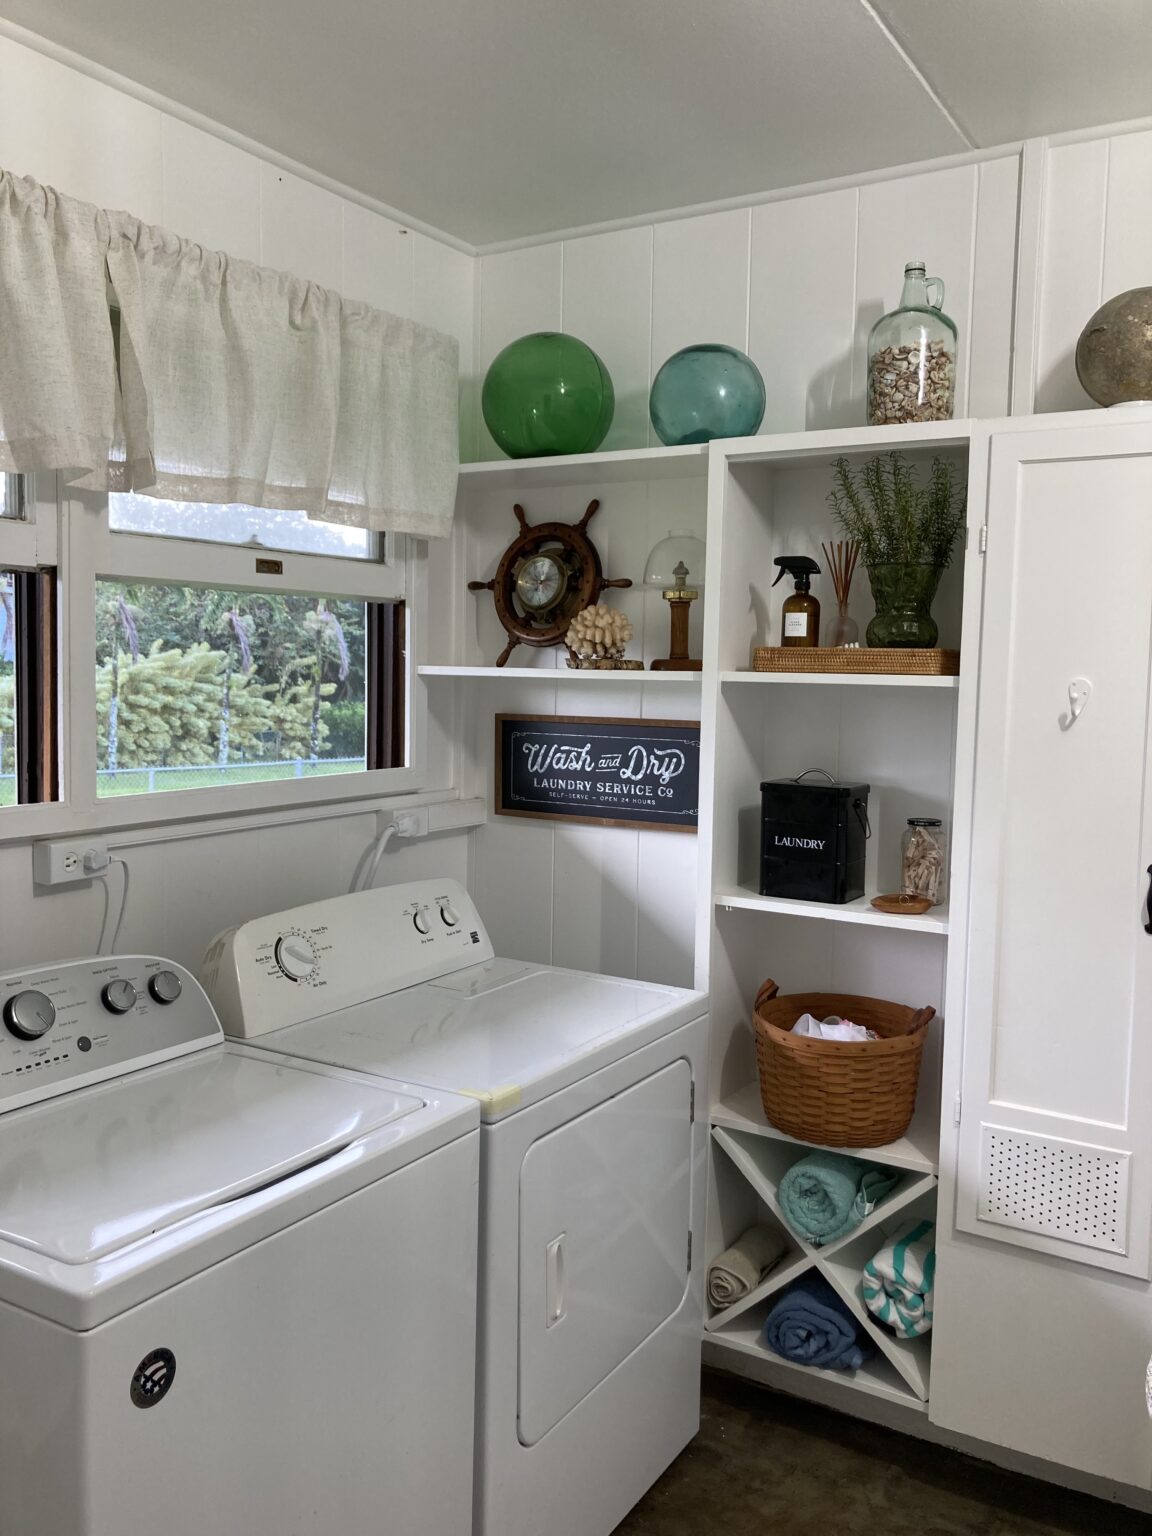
{"x":547,"y":393}
{"x":903,"y":595}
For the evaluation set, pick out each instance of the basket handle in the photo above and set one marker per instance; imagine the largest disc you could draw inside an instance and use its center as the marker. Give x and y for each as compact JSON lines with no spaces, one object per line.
{"x":767,"y":992}
{"x":920,"y":1020}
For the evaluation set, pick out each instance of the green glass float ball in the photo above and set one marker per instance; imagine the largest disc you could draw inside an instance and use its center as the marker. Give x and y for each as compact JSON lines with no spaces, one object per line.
{"x":548,"y":393}
{"x":704,"y":392}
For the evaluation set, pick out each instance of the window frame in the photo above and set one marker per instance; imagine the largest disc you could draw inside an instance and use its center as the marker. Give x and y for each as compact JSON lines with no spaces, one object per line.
{"x":67,"y":528}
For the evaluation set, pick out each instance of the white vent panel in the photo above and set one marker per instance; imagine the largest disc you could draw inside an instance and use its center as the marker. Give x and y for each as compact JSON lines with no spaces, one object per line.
{"x":1069,"y":1191}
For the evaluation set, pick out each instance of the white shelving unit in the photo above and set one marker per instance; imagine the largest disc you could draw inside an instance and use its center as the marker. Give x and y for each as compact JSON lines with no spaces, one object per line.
{"x":562,"y":674}
{"x":895,"y":733}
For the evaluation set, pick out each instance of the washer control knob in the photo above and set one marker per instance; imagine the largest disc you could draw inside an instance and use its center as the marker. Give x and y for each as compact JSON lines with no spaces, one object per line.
{"x":448,"y":915}
{"x":295,"y":956}
{"x":119,"y":997}
{"x":420,"y":922}
{"x":29,"y":1014}
{"x":164,"y":986}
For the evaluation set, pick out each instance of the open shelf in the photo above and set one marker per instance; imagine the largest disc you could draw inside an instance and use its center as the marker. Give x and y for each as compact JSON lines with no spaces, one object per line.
{"x":917,"y":1150}
{"x":876,"y":1377}
{"x":762,"y":1162}
{"x":859,"y":911}
{"x":588,"y":468}
{"x":842,"y":679}
{"x":562,"y":674}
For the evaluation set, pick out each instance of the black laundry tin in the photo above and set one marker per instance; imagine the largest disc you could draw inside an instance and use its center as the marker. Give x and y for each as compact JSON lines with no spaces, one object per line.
{"x":812,"y":840}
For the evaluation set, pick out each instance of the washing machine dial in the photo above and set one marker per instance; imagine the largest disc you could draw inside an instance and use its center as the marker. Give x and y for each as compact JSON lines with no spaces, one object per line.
{"x":164,"y":986}
{"x":448,"y":915}
{"x":296,"y":956}
{"x":29,"y":1014}
{"x":420,"y":922}
{"x":119,"y":996}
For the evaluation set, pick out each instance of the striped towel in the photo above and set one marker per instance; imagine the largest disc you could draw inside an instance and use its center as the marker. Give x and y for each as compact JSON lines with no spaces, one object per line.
{"x":898,"y":1282}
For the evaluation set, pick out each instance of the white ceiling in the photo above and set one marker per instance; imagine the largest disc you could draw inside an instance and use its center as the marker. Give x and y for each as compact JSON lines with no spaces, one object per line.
{"x":496,"y":119}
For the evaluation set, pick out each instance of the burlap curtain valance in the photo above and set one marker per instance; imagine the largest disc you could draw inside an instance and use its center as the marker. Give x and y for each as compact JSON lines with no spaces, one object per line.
{"x":132,"y":359}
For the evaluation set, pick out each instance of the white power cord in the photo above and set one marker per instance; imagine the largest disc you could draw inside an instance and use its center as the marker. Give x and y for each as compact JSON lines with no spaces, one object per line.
{"x":96,"y":864}
{"x":372,"y":864}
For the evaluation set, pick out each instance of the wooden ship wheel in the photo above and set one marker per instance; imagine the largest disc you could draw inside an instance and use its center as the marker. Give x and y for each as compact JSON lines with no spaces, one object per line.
{"x":545,"y":577}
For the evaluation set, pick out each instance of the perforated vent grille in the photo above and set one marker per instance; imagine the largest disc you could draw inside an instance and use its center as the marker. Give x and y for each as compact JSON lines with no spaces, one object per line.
{"x":1060,"y":1189}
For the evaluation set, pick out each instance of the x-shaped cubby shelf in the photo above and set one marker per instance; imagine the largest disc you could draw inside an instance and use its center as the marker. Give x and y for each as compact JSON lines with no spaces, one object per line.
{"x":900,"y":1369}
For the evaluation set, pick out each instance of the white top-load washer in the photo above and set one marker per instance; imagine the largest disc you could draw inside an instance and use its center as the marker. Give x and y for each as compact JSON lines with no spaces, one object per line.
{"x":237,"y":1289}
{"x":592,"y":1173}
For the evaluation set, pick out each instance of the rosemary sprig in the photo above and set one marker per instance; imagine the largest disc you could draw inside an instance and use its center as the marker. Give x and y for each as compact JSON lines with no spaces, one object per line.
{"x":894,"y":519}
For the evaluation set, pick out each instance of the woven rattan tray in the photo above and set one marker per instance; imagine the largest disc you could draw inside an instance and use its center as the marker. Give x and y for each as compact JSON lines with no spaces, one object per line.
{"x":798,"y":658}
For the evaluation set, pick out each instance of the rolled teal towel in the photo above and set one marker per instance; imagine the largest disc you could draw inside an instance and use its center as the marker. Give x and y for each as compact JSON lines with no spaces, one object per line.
{"x":810,"y":1325}
{"x":898,"y":1282}
{"x":827,"y":1194}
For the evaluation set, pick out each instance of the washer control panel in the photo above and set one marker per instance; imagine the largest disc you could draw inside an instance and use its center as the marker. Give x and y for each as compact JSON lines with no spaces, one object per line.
{"x":62,"y":1026}
{"x":309,"y":961}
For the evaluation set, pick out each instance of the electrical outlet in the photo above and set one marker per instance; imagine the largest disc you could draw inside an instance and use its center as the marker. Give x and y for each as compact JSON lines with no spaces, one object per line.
{"x":413,"y":823}
{"x":61,"y":862}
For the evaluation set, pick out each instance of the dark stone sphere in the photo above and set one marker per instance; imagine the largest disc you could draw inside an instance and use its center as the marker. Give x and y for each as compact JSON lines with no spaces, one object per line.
{"x":1114,"y":353}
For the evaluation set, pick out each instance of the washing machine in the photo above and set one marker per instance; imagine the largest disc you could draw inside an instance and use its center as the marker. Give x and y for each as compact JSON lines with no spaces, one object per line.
{"x":237,"y":1289}
{"x":593,"y":1144}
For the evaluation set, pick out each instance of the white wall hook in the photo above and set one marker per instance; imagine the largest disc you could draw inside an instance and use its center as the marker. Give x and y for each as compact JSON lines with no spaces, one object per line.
{"x":1079,"y":692}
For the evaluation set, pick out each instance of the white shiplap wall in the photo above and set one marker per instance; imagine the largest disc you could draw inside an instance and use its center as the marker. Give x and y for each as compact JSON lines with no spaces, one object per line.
{"x":1095,"y":241}
{"x":100,"y":144}
{"x":795,"y":282}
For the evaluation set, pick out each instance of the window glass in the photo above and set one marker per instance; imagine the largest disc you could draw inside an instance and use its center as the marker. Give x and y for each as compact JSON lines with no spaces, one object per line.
{"x":199,"y":687}
{"x":252,"y":527}
{"x":7,"y":688}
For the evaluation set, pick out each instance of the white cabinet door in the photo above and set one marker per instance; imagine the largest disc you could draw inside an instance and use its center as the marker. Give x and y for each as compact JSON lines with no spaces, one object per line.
{"x":1055,"y":1150}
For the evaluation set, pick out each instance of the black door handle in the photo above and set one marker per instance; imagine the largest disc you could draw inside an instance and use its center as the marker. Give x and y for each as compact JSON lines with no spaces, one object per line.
{"x":1148,"y":924}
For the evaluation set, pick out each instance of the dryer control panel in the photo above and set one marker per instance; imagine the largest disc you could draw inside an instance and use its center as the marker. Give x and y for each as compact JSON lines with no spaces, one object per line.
{"x":65,"y":1026}
{"x":313,"y":960}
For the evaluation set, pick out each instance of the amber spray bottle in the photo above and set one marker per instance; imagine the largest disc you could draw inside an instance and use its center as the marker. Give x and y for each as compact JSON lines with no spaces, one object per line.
{"x":800,"y":624}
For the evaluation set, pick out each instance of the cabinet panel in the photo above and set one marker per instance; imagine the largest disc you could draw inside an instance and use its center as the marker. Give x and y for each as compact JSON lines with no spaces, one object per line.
{"x":1057,"y":1154}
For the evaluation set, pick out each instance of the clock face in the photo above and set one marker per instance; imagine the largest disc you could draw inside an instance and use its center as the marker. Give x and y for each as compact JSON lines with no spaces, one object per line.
{"x":540,"y":583}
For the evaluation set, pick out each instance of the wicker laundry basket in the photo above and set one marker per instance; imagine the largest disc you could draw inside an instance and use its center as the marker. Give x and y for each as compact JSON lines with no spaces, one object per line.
{"x":839,"y":1093}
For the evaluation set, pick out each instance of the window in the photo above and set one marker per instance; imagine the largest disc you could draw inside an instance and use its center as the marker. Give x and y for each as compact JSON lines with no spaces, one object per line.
{"x":257,"y":669}
{"x":256,"y":527}
{"x":28,"y":663}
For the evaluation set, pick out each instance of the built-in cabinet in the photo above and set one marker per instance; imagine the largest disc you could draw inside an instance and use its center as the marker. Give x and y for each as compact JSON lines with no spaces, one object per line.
{"x":1030,"y":1142}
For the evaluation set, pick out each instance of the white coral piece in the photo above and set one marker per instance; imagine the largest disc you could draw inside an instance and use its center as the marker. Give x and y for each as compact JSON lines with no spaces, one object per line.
{"x":599,"y":633}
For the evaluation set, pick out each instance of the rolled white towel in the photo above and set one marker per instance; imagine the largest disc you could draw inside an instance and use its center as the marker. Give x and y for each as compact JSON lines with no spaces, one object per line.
{"x":741,"y":1268}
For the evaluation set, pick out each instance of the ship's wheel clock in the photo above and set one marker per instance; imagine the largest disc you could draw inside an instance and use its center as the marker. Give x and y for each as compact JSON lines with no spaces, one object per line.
{"x":546,"y":576}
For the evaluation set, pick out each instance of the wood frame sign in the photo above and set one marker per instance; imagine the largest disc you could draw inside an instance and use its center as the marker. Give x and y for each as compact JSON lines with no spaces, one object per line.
{"x":599,"y":772}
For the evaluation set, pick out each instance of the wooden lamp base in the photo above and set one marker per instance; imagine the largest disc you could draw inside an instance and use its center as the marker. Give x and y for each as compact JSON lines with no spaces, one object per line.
{"x":679,"y":600}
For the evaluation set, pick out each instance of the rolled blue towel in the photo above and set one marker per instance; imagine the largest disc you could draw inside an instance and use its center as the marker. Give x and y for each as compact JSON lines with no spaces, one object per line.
{"x":810,"y":1325}
{"x":827,"y":1194}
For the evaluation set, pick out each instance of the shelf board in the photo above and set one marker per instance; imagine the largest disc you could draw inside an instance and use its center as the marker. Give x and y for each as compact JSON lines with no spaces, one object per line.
{"x":918,"y":1150}
{"x":562,"y":675}
{"x":587,"y":468}
{"x":843,"y":679}
{"x":935,"y":920}
{"x":797,"y":448}
{"x":877,"y":1377}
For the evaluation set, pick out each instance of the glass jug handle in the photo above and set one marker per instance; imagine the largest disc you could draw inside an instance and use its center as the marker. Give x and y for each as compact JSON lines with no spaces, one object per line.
{"x":938,"y":284}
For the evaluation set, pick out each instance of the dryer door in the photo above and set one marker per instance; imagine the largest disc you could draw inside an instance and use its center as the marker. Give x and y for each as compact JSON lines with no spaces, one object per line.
{"x":605,"y":1205}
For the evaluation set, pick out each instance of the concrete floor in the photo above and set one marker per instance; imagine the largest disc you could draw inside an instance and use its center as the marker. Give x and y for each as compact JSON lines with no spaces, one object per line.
{"x":768,"y":1465}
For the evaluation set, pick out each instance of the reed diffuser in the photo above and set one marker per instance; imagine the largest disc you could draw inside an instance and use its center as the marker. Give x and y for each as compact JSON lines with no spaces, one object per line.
{"x":840,"y":560}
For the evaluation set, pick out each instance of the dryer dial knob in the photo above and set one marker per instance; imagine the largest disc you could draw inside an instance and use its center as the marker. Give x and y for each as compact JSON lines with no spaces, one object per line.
{"x":29,"y":1015}
{"x":295,"y":956}
{"x":119,"y":997}
{"x":448,"y":915}
{"x":420,"y":922}
{"x":164,"y":987}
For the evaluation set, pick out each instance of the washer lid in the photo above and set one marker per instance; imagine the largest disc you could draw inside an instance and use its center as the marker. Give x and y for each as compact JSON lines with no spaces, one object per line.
{"x":87,"y":1174}
{"x":505,"y":1032}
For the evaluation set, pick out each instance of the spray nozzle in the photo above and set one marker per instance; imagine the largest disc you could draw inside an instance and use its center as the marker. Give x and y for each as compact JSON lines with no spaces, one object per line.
{"x":799,"y":567}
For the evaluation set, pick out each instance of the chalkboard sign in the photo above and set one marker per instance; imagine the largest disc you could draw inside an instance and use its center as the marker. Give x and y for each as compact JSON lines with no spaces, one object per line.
{"x":623,"y":773}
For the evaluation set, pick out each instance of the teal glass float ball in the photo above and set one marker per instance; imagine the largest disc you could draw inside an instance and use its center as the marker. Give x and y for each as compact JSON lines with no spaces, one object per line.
{"x":548,"y":393}
{"x":704,"y":392}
